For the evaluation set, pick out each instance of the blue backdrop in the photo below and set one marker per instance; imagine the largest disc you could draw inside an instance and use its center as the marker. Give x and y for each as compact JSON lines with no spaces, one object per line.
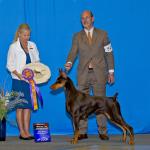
{"x":53,"y":23}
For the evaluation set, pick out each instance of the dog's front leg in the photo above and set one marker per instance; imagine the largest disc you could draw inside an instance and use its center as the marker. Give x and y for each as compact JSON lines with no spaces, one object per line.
{"x":76,"y":130}
{"x":75,"y":138}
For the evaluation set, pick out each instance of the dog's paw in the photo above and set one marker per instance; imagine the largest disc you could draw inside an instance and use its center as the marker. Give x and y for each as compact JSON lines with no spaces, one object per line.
{"x":73,"y":141}
{"x":124,"y":139}
{"x":131,"y":142}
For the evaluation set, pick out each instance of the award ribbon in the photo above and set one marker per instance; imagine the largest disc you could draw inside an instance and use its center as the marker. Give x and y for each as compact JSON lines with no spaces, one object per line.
{"x":28,"y":75}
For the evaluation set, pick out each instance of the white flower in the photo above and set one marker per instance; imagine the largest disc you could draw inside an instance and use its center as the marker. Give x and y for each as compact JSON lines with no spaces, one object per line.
{"x":9,"y":101}
{"x":7,"y":94}
{"x":6,"y":102}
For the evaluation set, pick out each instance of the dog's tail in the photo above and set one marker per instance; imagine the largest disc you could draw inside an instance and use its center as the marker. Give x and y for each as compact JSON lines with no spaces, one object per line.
{"x":117,"y":105}
{"x":115,"y":97}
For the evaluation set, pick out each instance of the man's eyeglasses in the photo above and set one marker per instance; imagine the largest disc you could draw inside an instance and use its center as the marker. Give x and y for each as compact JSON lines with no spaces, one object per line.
{"x":86,"y":18}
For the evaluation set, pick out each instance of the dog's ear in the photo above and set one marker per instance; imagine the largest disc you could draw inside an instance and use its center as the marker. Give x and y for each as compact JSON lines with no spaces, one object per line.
{"x":60,"y":70}
{"x":62,"y":73}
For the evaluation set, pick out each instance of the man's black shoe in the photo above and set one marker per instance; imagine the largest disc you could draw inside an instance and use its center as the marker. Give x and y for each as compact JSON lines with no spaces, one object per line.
{"x":103,"y":137}
{"x":82,"y":136}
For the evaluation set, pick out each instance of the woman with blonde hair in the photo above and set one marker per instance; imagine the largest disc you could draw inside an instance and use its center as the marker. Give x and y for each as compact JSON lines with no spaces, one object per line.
{"x":21,"y":52}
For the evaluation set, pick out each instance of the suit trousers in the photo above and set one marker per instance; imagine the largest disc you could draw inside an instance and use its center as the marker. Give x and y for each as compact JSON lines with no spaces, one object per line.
{"x":97,"y":90}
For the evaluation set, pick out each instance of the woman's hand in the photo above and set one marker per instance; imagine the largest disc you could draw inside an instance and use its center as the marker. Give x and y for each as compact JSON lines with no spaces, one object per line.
{"x":18,"y":75}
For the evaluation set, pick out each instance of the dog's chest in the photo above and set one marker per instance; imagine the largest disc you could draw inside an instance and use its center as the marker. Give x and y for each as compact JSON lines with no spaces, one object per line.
{"x":68,"y":105}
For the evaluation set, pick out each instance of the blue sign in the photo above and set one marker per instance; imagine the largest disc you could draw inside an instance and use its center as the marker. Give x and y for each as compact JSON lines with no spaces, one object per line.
{"x":41,"y":132}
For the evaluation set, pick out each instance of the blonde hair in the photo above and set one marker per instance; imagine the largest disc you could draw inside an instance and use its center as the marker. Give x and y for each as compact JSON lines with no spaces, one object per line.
{"x":20,"y":29}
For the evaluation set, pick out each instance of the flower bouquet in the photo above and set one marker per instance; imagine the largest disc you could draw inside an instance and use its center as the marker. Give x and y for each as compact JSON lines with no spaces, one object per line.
{"x":8,"y":103}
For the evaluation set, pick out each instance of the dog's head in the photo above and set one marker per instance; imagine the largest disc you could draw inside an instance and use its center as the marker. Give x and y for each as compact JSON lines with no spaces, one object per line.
{"x":61,"y":80}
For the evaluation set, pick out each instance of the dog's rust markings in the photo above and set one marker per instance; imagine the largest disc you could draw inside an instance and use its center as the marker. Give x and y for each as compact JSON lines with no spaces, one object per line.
{"x":75,"y":138}
{"x":131,"y":141}
{"x":80,"y":106}
{"x":124,"y":138}
{"x":56,"y":86}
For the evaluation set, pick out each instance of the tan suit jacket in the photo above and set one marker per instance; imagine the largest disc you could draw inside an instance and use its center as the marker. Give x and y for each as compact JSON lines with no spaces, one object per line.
{"x":95,"y":53}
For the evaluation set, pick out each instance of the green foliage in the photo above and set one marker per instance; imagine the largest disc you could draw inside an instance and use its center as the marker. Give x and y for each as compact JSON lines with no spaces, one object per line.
{"x":3,"y":110}
{"x":9,"y":101}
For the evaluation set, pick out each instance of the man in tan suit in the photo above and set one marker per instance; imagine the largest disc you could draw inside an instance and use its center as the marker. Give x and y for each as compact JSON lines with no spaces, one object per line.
{"x":96,"y":66}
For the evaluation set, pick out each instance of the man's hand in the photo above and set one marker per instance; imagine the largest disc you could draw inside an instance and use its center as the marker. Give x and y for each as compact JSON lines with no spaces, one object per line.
{"x":111,"y":78}
{"x":68,"y":66}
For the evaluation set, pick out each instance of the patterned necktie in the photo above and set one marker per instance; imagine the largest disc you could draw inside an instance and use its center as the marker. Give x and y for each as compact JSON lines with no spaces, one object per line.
{"x":89,"y":38}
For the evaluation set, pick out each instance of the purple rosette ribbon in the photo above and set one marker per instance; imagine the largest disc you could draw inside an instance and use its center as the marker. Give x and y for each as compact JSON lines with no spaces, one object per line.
{"x":28,"y":74}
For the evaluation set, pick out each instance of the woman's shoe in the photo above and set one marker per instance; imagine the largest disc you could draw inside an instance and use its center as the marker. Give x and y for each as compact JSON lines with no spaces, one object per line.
{"x":24,"y":138}
{"x":31,"y":137}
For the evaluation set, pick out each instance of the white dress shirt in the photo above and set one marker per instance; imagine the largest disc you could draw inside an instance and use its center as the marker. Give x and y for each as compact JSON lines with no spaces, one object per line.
{"x":91,"y":31}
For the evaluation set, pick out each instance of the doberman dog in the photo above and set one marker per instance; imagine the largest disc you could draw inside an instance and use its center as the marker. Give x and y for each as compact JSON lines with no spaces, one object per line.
{"x":80,"y":105}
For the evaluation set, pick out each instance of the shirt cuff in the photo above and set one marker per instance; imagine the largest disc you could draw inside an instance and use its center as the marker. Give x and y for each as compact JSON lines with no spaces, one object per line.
{"x":111,"y":71}
{"x":69,"y":62}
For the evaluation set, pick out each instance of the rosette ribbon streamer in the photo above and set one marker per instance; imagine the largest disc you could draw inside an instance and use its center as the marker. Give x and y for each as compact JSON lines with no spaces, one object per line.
{"x":34,"y":90}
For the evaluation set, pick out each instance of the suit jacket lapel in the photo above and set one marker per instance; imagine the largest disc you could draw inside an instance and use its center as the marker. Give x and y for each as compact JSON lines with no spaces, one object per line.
{"x":94,"y":36}
{"x":84,"y":37}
